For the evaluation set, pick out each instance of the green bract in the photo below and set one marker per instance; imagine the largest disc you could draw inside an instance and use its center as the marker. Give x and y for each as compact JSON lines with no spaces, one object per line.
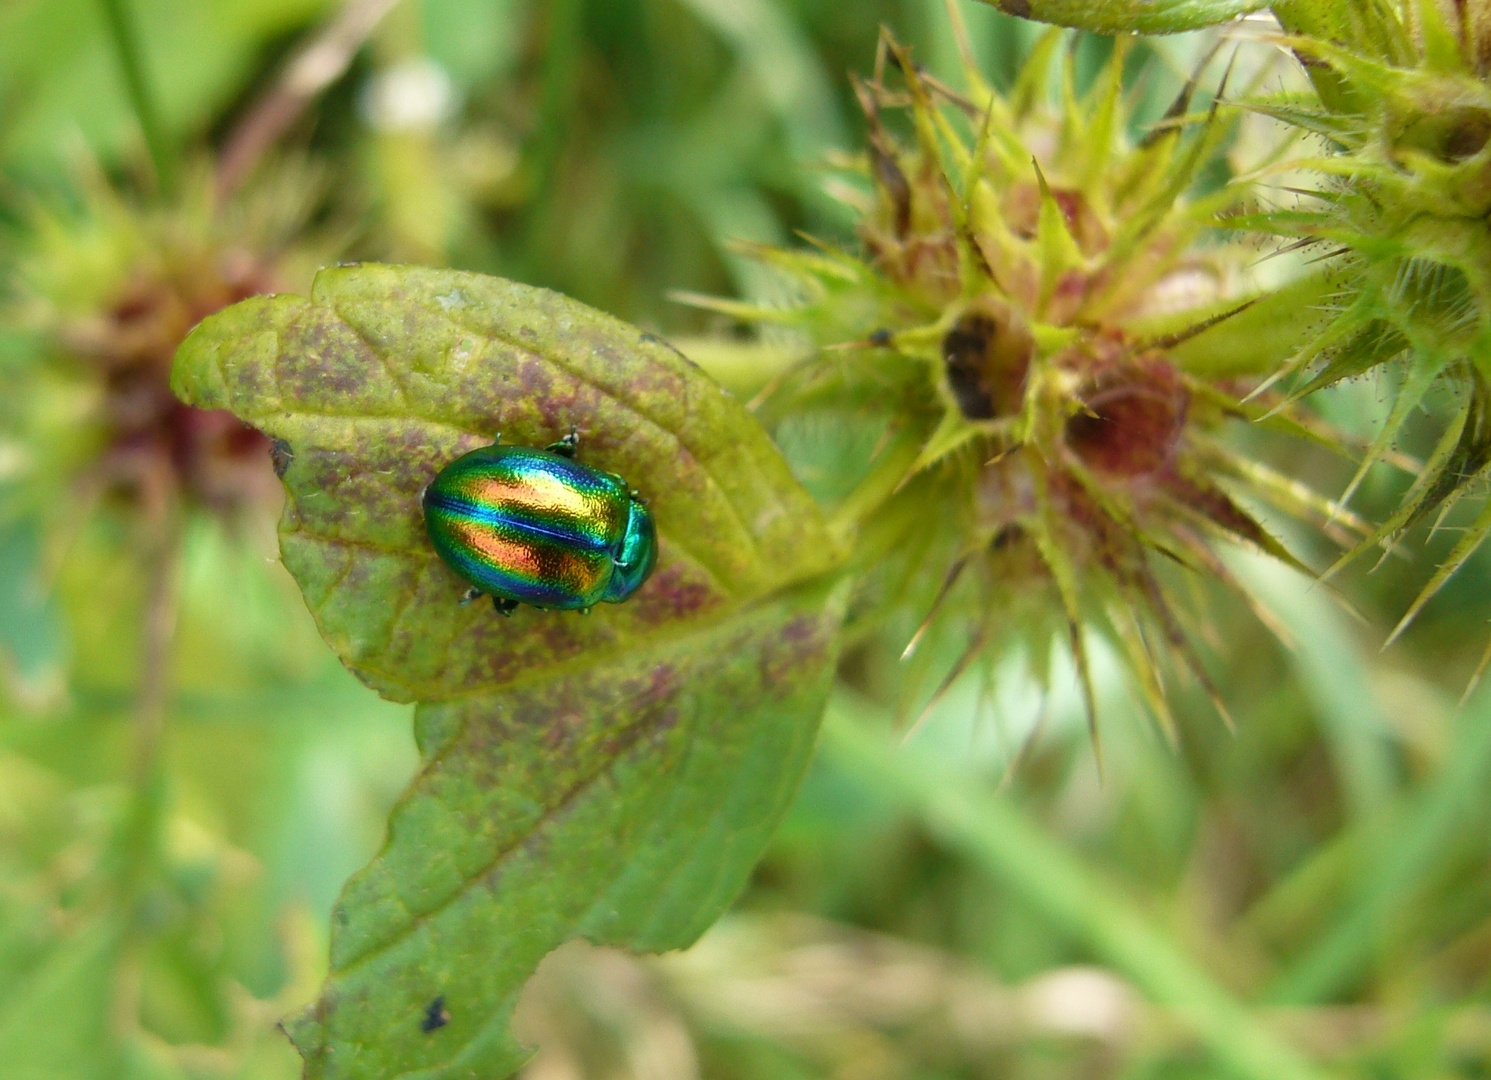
{"x":612,"y":778}
{"x":1403,"y":108}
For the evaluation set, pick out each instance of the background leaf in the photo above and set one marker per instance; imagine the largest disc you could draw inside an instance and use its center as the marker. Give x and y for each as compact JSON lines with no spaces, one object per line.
{"x":613,"y":777}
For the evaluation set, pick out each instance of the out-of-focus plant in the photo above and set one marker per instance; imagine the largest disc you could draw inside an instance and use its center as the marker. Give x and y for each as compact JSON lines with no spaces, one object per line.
{"x":123,"y":489}
{"x":124,"y":914}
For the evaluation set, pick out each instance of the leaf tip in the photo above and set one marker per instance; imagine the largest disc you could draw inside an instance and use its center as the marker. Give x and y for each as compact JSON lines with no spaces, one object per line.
{"x":243,"y":334}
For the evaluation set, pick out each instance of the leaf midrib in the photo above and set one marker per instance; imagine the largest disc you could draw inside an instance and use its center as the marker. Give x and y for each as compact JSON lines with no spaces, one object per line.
{"x":633,"y":735}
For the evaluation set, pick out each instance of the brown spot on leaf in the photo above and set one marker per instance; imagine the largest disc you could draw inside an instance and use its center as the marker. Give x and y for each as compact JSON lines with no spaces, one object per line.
{"x":800,"y":644}
{"x":674,"y":593}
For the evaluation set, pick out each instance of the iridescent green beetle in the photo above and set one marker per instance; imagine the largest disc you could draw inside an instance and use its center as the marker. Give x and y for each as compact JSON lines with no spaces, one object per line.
{"x":530,"y":526}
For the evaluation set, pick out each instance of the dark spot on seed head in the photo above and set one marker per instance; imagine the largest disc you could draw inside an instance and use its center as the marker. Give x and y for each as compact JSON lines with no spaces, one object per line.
{"x":1006,"y":536}
{"x":1468,"y":139}
{"x":986,"y":356}
{"x":963,"y":352}
{"x":881,"y":337}
{"x":1451,"y":135}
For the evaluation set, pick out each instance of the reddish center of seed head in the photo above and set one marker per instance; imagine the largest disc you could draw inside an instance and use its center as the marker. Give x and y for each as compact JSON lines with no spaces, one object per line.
{"x":209,"y":456}
{"x":1134,"y":417}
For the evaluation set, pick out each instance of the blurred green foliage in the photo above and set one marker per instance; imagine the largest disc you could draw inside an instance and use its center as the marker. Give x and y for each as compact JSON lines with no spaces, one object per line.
{"x":1310,"y":888}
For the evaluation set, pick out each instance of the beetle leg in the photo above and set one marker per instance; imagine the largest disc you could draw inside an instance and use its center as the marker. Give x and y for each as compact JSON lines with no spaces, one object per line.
{"x":566,"y":446}
{"x":470,"y":595}
{"x":505,"y":608}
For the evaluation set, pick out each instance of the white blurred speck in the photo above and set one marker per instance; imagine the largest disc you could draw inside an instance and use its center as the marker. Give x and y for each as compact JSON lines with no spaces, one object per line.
{"x":416,"y":93}
{"x":1079,"y":1001}
{"x":14,"y":460}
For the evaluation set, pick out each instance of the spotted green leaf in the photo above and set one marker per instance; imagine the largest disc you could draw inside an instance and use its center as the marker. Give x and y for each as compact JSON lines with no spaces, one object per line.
{"x":612,"y":777}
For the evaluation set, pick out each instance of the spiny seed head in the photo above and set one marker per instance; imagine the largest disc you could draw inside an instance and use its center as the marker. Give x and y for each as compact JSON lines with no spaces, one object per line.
{"x":1028,"y":265}
{"x":1404,"y":116}
{"x":111,"y":287}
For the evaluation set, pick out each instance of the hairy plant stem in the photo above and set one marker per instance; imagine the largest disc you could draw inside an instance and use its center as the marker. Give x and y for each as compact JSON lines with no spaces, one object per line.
{"x":139,"y":840}
{"x":136,"y":84}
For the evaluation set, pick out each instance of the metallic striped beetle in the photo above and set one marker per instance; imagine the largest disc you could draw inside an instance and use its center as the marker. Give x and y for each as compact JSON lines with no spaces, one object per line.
{"x":530,"y":526}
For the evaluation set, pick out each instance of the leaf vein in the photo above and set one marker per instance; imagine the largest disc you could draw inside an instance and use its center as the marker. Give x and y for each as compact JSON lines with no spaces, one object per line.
{"x":634,"y":735}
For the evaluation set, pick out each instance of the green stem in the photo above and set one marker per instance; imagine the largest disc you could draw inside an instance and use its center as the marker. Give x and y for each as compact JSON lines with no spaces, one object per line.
{"x":131,"y":63}
{"x":153,"y":695}
{"x":993,"y":833}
